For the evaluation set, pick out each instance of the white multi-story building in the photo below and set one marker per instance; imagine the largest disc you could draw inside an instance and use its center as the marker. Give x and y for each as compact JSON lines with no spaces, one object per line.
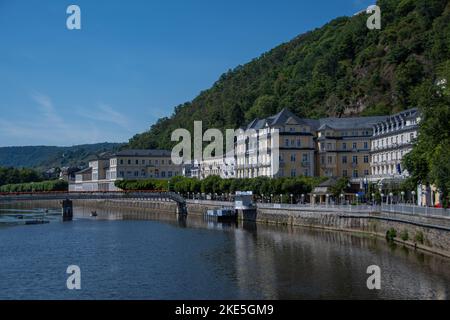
{"x":392,"y":138}
{"x":125,"y":165}
{"x":223,"y":167}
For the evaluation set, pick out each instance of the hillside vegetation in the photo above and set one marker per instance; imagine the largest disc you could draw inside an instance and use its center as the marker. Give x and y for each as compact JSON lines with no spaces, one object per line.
{"x":44,"y":157}
{"x":340,"y":69}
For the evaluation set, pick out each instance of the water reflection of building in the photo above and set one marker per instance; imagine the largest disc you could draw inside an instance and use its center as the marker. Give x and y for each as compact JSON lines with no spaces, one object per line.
{"x":297,"y":263}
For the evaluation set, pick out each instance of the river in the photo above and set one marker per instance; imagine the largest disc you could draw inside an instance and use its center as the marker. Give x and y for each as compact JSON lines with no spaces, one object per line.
{"x":163,"y":258}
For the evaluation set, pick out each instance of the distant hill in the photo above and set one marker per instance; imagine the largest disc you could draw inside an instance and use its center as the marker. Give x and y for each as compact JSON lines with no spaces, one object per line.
{"x":45,"y":157}
{"x":340,"y":69}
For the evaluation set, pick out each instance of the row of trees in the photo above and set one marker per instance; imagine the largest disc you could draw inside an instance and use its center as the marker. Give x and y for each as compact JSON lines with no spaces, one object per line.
{"x":14,"y":175}
{"x":53,"y":185}
{"x":429,"y":161}
{"x":217,"y":185}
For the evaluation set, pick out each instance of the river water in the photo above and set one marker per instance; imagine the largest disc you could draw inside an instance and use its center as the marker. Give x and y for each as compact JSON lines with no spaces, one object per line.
{"x":163,"y":258}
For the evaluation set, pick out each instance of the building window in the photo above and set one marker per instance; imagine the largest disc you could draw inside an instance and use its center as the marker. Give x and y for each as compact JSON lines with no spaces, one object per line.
{"x":293,"y":157}
{"x":305,"y":157}
{"x":121,"y":161}
{"x":354,"y":145}
{"x":355,"y":159}
{"x":366,"y":172}
{"x":355,"y":173}
{"x":136,"y":173}
{"x":293,"y":173}
{"x":137,"y":162}
{"x":286,"y":142}
{"x":169,"y":174}
{"x":121,"y":174}
{"x":156,"y":162}
{"x":366,"y":159}
{"x":330,"y":160}
{"x":143,"y":162}
{"x":344,"y":146}
{"x":344,"y":173}
{"x":129,"y":161}
{"x":163,"y":174}
{"x":366,"y":145}
{"x":344,"y":159}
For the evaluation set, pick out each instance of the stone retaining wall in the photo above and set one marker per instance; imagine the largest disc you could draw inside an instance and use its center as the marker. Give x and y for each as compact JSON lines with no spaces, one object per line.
{"x":436,"y":237}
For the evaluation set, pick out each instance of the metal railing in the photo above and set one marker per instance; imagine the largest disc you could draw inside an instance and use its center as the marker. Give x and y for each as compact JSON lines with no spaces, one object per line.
{"x":321,"y":207}
{"x":415,"y":210}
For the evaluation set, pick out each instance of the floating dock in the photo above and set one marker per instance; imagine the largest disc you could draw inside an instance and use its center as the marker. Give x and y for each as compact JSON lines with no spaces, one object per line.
{"x":221,"y":215}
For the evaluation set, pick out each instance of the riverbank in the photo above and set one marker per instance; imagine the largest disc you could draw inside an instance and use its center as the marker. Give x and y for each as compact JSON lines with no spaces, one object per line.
{"x":427,"y":233}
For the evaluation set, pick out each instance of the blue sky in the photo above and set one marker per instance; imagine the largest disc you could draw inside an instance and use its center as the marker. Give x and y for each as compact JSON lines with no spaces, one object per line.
{"x":132,"y":62}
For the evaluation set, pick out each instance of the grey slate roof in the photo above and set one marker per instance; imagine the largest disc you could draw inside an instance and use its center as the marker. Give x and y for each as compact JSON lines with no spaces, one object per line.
{"x":143,"y":153}
{"x":284,"y":115}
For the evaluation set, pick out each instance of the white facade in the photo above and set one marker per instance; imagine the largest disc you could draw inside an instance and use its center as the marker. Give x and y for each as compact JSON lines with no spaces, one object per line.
{"x":392,"y":139}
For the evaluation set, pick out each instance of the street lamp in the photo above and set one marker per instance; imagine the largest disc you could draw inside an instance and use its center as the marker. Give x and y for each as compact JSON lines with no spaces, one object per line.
{"x":292,"y":196}
{"x":271,"y":196}
{"x":327,"y":196}
{"x":391,"y":196}
{"x":373,"y":198}
{"x":281,"y":198}
{"x":262,"y":197}
{"x":342,"y":198}
{"x":357,"y":197}
{"x":303,"y":198}
{"x":402,"y":194}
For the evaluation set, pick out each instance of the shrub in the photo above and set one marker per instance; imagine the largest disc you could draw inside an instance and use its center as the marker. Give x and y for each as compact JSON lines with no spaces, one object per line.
{"x":404,"y":235}
{"x":419,"y":237}
{"x":391,"y":234}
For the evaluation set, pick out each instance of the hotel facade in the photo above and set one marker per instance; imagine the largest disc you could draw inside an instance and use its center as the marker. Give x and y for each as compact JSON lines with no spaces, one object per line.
{"x":360,"y":148}
{"x":364,"y":149}
{"x":104,"y":171}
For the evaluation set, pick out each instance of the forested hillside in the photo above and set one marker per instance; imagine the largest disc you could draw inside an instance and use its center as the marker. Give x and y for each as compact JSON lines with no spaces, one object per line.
{"x":44,"y":157}
{"x":340,"y":69}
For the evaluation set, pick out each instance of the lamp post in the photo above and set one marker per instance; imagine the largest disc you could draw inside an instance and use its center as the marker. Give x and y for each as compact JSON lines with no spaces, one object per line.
{"x":391,"y":195}
{"x":327,"y":198}
{"x":281,"y":198}
{"x":413,"y":195}
{"x":262,"y":198}
{"x":292,"y":198}
{"x":402,"y":194}
{"x":342,"y":198}
{"x":373,"y":198}
{"x":271,"y":196}
{"x":303,"y":198}
{"x":357,"y":197}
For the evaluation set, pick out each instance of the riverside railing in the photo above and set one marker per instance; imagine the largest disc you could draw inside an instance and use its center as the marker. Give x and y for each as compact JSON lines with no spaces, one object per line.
{"x":321,"y":207}
{"x":388,"y":208}
{"x":415,"y":210}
